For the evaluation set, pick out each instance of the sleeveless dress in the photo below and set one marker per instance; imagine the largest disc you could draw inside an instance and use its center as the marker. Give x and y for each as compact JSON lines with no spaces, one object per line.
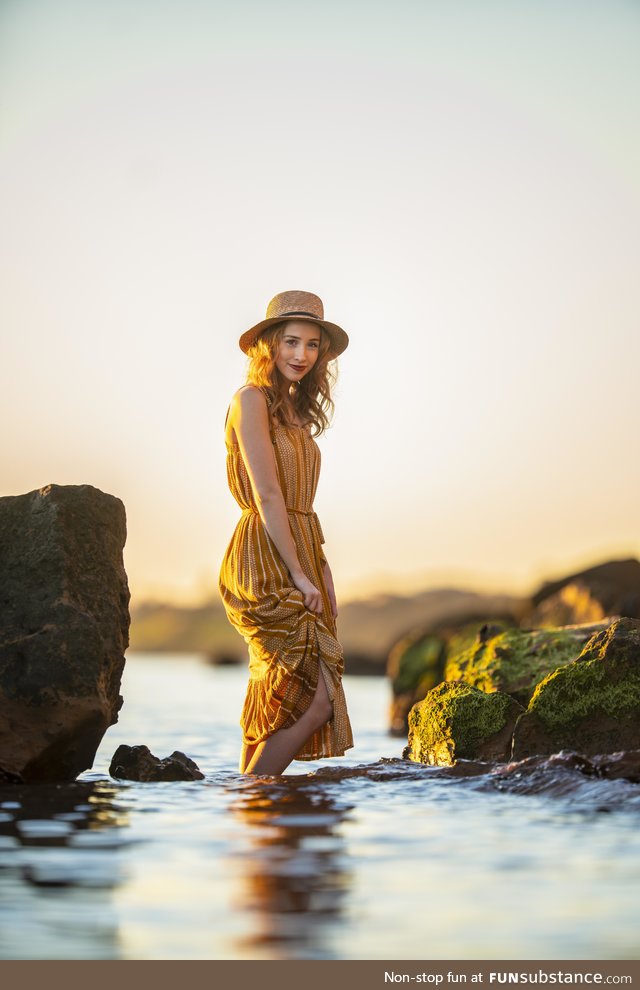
{"x":289,"y":646}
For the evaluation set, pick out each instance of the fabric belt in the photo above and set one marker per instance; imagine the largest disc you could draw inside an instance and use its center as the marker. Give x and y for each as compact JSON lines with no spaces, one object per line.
{"x":310,"y":512}
{"x":301,"y":512}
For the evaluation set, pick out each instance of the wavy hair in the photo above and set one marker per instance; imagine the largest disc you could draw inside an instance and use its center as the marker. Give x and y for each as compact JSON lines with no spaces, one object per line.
{"x":311,"y":396}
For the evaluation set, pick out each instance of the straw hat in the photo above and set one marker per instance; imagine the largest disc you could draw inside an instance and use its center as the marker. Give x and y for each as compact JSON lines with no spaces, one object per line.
{"x":297,"y":305}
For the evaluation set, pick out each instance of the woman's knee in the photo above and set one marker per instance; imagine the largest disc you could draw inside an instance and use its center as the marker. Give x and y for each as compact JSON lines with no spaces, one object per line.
{"x":321,"y":708}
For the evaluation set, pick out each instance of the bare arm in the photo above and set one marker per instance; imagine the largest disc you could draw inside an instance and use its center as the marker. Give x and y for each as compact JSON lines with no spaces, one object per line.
{"x":250,"y":420}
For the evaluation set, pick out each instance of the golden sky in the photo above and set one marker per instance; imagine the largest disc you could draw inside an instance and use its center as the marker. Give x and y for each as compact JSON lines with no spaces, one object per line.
{"x":459,"y":182}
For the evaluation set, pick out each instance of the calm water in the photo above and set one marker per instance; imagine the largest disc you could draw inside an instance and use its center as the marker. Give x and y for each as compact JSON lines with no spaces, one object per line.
{"x":391,"y":863}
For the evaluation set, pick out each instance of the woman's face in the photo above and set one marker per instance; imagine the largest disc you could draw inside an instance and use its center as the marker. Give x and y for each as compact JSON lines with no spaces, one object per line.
{"x":298,"y":349}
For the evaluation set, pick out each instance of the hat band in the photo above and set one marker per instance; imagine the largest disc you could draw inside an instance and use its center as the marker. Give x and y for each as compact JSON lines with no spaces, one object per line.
{"x":300,"y":312}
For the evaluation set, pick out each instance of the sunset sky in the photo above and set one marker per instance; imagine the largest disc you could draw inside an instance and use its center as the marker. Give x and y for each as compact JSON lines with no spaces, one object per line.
{"x":459,"y":180}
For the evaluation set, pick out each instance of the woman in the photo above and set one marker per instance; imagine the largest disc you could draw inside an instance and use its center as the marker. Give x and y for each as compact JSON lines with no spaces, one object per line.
{"x":275,"y":582}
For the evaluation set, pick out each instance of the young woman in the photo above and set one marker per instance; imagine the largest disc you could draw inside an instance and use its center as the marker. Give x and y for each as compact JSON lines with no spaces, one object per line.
{"x":275,"y":581}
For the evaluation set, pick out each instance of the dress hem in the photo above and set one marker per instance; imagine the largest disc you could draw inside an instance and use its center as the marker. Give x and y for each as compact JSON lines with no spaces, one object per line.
{"x":322,"y":756}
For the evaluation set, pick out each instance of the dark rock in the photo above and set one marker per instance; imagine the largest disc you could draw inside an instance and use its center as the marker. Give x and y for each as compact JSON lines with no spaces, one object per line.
{"x":219,"y":658}
{"x":615,"y":766}
{"x":592,"y":781}
{"x":139,"y":763}
{"x":574,"y":602}
{"x":591,"y":704}
{"x":514,"y":661}
{"x":9,"y":777}
{"x":458,"y":721}
{"x":393,"y":768}
{"x":64,"y":623}
{"x":608,"y":589}
{"x":565,"y":759}
{"x":488,"y":631}
{"x":363,"y":664}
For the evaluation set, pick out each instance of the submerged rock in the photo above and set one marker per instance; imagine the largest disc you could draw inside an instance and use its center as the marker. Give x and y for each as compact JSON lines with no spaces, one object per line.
{"x":139,"y":763}
{"x":8,"y":777}
{"x":602,"y":783}
{"x":606,"y":766}
{"x":514,"y":661}
{"x":591,"y":704}
{"x":456,"y":720}
{"x":619,"y":766}
{"x":63,"y":630}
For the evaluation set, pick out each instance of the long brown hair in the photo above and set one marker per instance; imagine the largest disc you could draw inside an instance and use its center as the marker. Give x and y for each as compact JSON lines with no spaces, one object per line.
{"x":311,"y":396}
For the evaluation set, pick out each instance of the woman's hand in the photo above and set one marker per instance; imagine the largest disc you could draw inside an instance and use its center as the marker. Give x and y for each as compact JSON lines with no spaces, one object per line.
{"x":331,"y":591}
{"x":312,"y":595}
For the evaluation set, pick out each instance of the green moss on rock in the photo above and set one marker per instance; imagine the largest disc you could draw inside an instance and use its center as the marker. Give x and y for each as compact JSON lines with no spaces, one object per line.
{"x":458,"y":721}
{"x":416,"y":664}
{"x":513,"y":661}
{"x":464,"y":638}
{"x":592,"y":704}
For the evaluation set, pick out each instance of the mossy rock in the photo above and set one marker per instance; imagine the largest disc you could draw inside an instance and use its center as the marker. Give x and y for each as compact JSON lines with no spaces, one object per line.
{"x":415,"y":663}
{"x":514,"y":661}
{"x":591,"y":705}
{"x":415,"y":666}
{"x":458,"y":721}
{"x":472,"y":633}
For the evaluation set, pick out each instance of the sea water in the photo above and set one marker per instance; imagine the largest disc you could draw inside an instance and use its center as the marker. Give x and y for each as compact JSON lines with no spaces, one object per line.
{"x":365,"y":856}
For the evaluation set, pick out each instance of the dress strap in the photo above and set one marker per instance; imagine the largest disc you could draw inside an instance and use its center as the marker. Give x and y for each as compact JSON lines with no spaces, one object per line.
{"x":268,"y":398}
{"x":269,"y":401}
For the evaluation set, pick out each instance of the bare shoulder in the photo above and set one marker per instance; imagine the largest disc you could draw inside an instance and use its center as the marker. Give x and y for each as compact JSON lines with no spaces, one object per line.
{"x":248,"y":414}
{"x":250,"y":402}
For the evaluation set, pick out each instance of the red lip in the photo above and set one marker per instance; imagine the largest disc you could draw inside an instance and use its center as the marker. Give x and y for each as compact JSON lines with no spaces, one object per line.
{"x":297,"y":367}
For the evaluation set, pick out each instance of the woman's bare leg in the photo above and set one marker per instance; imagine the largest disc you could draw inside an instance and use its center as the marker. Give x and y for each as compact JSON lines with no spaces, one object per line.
{"x":248,"y":749}
{"x":246,"y":753}
{"x":273,"y":755}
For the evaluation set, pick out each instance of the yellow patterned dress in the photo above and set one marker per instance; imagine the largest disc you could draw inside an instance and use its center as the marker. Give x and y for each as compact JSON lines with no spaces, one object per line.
{"x":288,"y":644}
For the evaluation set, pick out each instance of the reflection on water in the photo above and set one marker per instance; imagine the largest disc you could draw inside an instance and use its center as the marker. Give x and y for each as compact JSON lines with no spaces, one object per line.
{"x":292,"y":866}
{"x":56,"y":846}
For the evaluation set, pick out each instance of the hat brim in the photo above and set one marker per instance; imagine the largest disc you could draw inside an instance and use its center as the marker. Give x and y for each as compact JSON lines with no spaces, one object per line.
{"x":339,"y":339}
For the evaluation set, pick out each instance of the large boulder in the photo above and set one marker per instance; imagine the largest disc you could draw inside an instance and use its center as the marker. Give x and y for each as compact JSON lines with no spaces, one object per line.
{"x":607,"y":589}
{"x":414,"y":666}
{"x":514,"y":661}
{"x":591,"y":705}
{"x":457,"y":721}
{"x":64,"y":626}
{"x":416,"y":662}
{"x":574,"y":602}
